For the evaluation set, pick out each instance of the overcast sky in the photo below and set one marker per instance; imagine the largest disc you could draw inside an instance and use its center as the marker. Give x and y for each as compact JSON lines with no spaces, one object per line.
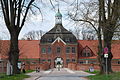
{"x":34,"y":22}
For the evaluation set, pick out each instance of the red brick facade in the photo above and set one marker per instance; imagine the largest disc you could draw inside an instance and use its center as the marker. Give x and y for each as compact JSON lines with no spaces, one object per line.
{"x":51,"y":56}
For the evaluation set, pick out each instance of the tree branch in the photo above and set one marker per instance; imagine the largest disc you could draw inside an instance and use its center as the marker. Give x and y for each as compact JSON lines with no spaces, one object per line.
{"x":27,"y":9}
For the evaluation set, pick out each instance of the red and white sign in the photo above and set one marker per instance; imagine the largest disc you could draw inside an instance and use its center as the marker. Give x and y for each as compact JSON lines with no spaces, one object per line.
{"x":105,"y":50}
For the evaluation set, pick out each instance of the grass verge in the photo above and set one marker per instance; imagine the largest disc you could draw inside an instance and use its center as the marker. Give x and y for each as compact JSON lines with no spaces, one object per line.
{"x":95,"y":72}
{"x":15,"y":77}
{"x":113,"y":76}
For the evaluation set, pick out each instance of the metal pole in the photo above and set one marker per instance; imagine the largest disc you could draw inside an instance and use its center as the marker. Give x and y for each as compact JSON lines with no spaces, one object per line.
{"x":106,"y":66}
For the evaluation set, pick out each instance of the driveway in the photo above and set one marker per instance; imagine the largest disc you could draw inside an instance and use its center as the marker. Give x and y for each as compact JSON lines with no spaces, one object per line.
{"x":63,"y":74}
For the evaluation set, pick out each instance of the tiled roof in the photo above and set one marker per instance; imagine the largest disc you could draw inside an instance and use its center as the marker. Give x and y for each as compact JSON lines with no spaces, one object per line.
{"x":29,"y":49}
{"x":93,"y":45}
{"x":58,"y":31}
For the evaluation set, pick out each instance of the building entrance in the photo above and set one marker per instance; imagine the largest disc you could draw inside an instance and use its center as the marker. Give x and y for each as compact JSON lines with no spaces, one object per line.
{"x":58,"y":62}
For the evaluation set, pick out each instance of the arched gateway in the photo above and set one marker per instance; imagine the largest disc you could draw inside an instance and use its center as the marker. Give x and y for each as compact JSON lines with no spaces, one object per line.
{"x":58,"y":46}
{"x":58,"y":62}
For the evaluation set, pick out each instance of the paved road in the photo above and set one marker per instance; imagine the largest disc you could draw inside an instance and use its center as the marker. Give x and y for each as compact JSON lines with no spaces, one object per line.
{"x":63,"y":74}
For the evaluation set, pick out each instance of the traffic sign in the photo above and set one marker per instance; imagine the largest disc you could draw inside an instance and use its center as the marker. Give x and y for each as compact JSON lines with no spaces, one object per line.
{"x":105,"y":50}
{"x":106,"y":55}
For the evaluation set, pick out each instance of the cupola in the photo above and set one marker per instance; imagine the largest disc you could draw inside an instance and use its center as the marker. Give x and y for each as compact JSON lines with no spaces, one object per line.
{"x":58,"y":17}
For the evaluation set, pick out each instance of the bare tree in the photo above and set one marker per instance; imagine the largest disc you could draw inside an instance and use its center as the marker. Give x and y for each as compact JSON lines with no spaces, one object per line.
{"x":103,"y":16}
{"x":15,"y":13}
{"x":77,"y":32}
{"x":30,"y":35}
{"x":33,"y":35}
{"x":39,"y":34}
{"x":117,"y":34}
{"x":88,"y":34}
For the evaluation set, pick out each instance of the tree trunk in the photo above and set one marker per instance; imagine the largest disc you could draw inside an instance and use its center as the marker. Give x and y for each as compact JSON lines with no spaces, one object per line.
{"x":14,"y":51}
{"x":107,"y":43}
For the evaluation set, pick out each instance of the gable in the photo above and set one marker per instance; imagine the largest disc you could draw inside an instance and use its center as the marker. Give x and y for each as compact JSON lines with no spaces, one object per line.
{"x":58,"y":39}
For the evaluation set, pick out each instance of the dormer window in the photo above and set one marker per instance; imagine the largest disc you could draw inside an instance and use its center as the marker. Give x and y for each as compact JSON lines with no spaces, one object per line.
{"x":86,"y":52}
{"x":49,"y":40}
{"x":57,"y":30}
{"x":67,"y":40}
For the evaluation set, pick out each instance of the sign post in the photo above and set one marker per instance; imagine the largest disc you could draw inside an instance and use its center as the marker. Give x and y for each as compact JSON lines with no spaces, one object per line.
{"x":106,"y":56}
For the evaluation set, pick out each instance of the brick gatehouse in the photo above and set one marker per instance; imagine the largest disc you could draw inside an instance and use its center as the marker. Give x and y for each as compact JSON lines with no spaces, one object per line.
{"x":59,"y":47}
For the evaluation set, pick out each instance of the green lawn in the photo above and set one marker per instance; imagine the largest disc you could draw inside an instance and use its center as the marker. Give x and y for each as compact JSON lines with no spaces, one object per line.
{"x":95,"y":72}
{"x":113,"y":76}
{"x":15,"y":77}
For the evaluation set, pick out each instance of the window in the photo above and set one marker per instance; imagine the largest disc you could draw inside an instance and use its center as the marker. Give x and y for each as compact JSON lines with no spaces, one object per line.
{"x":43,"y":50}
{"x":67,"y":60}
{"x":58,"y":30}
{"x":49,"y":60}
{"x":73,"y":60}
{"x":86,"y":54}
{"x":73,"y":50}
{"x":68,"y":50}
{"x":58,"y":49}
{"x":118,"y":62}
{"x":82,"y":62}
{"x":42,"y":60}
{"x":49,"y":49}
{"x":67,"y":40}
{"x":49,"y":40}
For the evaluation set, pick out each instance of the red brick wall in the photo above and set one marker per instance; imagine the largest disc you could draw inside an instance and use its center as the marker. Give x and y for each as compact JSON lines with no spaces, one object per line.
{"x":72,"y":66}
{"x":86,"y":67}
{"x":44,"y":66}
{"x":53,"y":55}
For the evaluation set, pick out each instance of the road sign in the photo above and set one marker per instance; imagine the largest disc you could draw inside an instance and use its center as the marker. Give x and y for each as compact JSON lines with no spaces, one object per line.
{"x":105,"y":50}
{"x":106,"y":55}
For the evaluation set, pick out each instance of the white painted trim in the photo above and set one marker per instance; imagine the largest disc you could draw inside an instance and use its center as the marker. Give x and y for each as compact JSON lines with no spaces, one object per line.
{"x":58,"y":39}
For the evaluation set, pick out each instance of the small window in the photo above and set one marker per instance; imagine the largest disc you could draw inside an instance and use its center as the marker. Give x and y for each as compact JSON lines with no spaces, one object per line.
{"x":58,"y":49}
{"x":118,"y":62}
{"x":49,"y":49}
{"x":67,"y":60}
{"x":43,"y":50}
{"x":67,"y":40}
{"x":81,"y":62}
{"x":49,"y":60}
{"x":73,"y":60}
{"x":68,"y":50}
{"x":58,"y":30}
{"x":84,"y":54}
{"x":73,"y":50}
{"x":88,"y":54}
{"x":49,"y":40}
{"x":43,"y":60}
